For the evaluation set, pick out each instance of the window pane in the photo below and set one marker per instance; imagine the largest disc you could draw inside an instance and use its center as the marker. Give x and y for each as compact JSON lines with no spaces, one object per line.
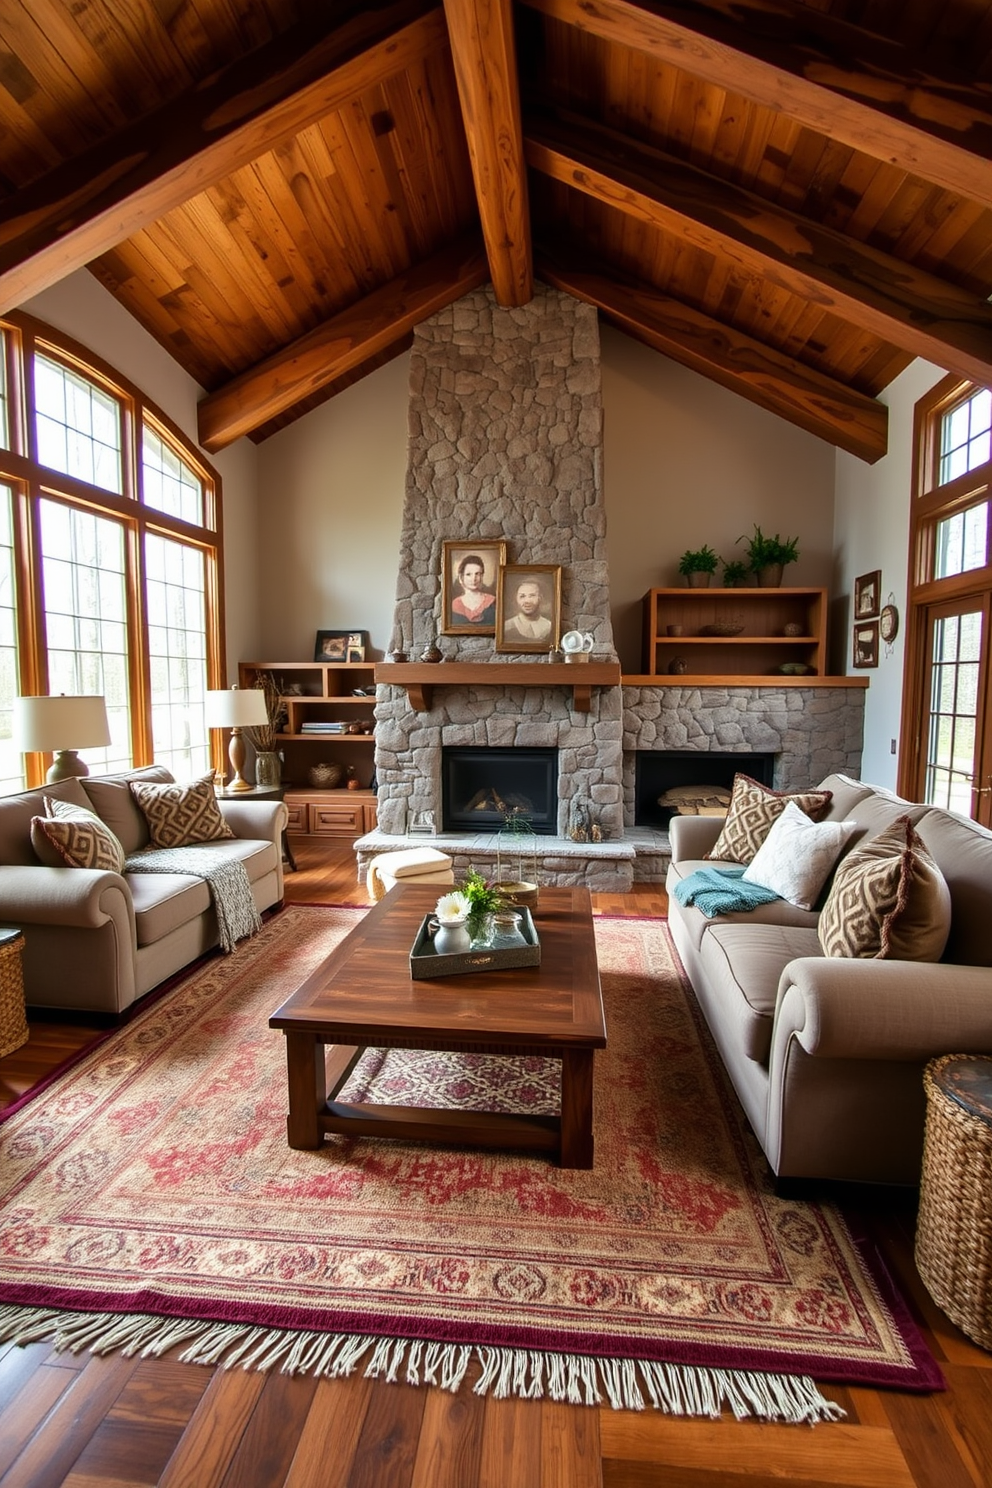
{"x":11,"y":761}
{"x":78,"y":426}
{"x":952,"y":743}
{"x":169,"y":483}
{"x":964,"y":436}
{"x":4,"y":397}
{"x":176,"y":587}
{"x":83,"y":655}
{"x":962,"y":541}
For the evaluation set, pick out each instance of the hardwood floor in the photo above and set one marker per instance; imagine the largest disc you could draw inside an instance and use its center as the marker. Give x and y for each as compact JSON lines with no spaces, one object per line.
{"x":125,"y":1423}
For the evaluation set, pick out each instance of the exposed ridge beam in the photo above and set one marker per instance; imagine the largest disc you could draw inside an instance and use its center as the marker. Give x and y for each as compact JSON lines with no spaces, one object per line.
{"x":840,"y":80}
{"x":892,"y":299}
{"x":482,"y":46}
{"x":760,"y":374}
{"x":341,"y":343}
{"x":93,"y":202}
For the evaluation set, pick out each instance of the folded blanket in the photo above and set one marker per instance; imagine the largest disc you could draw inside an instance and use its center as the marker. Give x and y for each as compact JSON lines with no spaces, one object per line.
{"x":716,"y":891}
{"x":226,"y":878}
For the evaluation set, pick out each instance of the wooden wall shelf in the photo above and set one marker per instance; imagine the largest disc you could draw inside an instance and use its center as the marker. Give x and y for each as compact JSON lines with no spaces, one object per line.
{"x":420,"y":678}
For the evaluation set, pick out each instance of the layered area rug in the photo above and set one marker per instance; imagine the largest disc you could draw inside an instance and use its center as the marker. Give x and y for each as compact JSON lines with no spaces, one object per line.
{"x":148,"y":1197}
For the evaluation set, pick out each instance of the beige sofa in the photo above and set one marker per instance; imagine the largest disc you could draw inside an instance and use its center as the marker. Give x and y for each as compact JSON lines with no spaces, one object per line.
{"x":96,"y":940}
{"x":827,"y":1053}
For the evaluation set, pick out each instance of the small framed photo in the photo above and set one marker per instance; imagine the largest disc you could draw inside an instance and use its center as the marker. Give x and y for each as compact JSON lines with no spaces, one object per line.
{"x":866,"y":644}
{"x":867,"y":592}
{"x":469,"y":572}
{"x":341,"y":645}
{"x":528,"y":607}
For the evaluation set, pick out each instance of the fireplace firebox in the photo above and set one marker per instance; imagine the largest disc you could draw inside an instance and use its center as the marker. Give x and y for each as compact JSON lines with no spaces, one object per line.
{"x":480,"y":788}
{"x":656,"y":772}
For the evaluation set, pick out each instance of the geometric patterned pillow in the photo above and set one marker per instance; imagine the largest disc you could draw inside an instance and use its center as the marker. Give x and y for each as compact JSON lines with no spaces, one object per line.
{"x":181,"y":814}
{"x":888,"y":900}
{"x":78,"y":836}
{"x":752,"y":810}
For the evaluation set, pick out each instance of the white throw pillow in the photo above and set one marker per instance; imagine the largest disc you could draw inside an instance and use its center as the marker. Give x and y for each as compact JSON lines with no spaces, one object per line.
{"x":796,"y":857}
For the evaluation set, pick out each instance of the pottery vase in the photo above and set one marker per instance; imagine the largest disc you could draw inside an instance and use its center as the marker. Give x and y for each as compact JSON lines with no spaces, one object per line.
{"x":769,"y":577}
{"x":453,"y":939}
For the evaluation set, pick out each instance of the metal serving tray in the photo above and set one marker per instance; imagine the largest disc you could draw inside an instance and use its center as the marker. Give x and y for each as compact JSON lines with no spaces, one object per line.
{"x":426,"y":963}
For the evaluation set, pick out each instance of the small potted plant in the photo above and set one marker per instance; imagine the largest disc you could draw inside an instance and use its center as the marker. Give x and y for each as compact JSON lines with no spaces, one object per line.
{"x":734,"y":573}
{"x":767,"y":556}
{"x":698,"y":565}
{"x":484,"y":900}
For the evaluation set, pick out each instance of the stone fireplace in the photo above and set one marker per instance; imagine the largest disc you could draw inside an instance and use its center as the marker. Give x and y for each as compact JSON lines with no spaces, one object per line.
{"x":505,"y":431}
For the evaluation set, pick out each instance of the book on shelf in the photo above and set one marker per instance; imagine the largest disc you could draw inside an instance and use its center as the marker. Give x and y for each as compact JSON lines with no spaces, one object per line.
{"x":323,"y":728}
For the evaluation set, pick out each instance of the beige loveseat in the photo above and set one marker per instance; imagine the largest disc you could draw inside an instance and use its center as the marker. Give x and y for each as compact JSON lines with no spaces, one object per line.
{"x":827,"y":1053}
{"x":98,"y":940}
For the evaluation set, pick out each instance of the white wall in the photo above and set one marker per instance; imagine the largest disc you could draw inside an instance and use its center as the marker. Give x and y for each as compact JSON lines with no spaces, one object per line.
{"x":331,"y":504}
{"x":687,"y":463}
{"x":871,"y":530}
{"x":82,"y":308}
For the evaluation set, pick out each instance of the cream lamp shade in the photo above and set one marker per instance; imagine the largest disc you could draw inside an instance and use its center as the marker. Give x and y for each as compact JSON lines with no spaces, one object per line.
{"x":236,"y":708}
{"x":61,"y":724}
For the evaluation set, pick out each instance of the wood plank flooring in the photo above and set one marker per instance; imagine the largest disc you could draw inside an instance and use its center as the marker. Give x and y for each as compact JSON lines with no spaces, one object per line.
{"x":80,"y":1422}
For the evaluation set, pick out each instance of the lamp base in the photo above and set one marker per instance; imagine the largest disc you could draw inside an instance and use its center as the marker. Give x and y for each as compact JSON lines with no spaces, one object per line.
{"x":65,"y":766}
{"x":236,"y":754}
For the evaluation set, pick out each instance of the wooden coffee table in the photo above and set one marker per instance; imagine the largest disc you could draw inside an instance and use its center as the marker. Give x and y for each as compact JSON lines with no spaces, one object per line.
{"x":363,"y":996}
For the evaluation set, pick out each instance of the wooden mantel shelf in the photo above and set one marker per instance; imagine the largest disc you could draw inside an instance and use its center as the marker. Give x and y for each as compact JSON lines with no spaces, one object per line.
{"x":421,"y":677}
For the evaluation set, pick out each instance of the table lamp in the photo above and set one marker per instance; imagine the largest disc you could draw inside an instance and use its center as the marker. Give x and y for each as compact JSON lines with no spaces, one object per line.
{"x":236,"y":708}
{"x":61,"y":724}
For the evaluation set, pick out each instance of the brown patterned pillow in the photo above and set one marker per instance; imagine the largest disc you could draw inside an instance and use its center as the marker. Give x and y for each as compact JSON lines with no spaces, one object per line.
{"x":752,"y":810}
{"x":888,"y":900}
{"x":181,"y":814}
{"x":79,"y":838}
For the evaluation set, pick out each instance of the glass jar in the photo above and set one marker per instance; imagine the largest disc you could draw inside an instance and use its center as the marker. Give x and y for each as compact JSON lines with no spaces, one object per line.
{"x":507,"y":932}
{"x":268,"y":768}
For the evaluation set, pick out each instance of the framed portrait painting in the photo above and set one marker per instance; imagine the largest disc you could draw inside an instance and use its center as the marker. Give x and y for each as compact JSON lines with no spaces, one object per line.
{"x":867,"y":590}
{"x":469,"y":573}
{"x":528,"y":607}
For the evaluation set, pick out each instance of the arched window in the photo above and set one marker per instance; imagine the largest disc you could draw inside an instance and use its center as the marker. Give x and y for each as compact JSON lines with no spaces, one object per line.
{"x":110,"y":557}
{"x":947,"y":701}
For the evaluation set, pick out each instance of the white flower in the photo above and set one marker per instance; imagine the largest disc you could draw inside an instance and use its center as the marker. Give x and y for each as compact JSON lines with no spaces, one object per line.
{"x":451,"y":908}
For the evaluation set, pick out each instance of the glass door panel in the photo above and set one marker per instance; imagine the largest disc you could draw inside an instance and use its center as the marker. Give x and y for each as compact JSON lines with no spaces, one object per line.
{"x":957,"y":732}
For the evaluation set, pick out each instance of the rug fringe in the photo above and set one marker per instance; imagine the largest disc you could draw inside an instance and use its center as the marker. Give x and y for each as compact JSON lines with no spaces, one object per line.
{"x":676,"y":1389}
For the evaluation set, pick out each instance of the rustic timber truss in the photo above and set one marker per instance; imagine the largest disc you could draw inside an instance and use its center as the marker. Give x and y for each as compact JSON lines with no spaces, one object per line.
{"x":792,"y":197}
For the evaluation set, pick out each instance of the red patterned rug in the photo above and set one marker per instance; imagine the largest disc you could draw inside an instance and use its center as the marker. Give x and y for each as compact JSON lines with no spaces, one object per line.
{"x":148,"y":1196}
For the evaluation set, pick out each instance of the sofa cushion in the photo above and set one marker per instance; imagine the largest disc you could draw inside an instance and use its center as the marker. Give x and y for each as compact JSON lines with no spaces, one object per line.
{"x":113,"y":803}
{"x":165,"y":901}
{"x":16,"y":813}
{"x":753,"y":808}
{"x":963,"y":851}
{"x":797,"y":856}
{"x":743,"y":964}
{"x":78,"y":837}
{"x":888,"y":900}
{"x":181,"y":815}
{"x":696,"y":924}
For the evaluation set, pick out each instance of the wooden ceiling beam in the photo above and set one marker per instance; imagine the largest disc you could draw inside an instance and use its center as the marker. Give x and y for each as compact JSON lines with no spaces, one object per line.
{"x":835,"y":78}
{"x":769,"y":378}
{"x":340,"y":344}
{"x":924,"y":315}
{"x":93,"y":202}
{"x":482,"y":45}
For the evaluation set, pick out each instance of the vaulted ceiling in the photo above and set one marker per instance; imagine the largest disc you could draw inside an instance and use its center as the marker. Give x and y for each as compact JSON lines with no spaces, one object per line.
{"x":792,"y":197}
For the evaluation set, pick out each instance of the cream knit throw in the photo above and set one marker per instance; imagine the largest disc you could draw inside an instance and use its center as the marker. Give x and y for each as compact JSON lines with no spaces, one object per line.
{"x":226,"y":878}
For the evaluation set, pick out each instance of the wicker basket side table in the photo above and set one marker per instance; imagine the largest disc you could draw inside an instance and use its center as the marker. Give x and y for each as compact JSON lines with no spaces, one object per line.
{"x":954,"y":1228}
{"x":13,"y":1022}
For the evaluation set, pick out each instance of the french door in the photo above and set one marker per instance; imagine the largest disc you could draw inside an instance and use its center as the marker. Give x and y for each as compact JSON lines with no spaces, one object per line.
{"x":955,"y":761}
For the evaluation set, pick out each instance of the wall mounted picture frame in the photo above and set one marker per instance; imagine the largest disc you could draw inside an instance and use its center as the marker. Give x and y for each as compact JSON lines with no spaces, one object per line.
{"x":341,"y":645}
{"x":866,"y":645}
{"x":469,"y":575}
{"x":528,"y":607}
{"x":867,"y":595}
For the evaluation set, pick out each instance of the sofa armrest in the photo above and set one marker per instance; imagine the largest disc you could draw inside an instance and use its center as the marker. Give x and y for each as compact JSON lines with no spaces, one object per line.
{"x":84,"y":898}
{"x":264,"y":820}
{"x":897,"y":1010}
{"x":693,"y":836}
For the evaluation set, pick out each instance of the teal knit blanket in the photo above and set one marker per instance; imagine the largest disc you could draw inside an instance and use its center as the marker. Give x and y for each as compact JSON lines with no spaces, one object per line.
{"x":716,"y":891}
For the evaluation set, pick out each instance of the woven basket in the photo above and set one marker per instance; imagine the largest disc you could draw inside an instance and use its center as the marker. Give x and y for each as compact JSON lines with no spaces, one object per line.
{"x":954,"y":1227}
{"x":13,"y":1023}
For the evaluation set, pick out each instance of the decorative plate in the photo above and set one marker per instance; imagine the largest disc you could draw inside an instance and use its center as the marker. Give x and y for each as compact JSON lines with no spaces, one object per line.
{"x":888,"y":622}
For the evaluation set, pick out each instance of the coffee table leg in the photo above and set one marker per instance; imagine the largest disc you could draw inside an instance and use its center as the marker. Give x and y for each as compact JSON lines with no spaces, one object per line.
{"x":307,"y":1089}
{"x":576,"y":1109}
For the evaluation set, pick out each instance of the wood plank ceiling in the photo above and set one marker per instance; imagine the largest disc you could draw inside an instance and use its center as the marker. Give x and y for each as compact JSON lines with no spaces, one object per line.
{"x":792,"y":197}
